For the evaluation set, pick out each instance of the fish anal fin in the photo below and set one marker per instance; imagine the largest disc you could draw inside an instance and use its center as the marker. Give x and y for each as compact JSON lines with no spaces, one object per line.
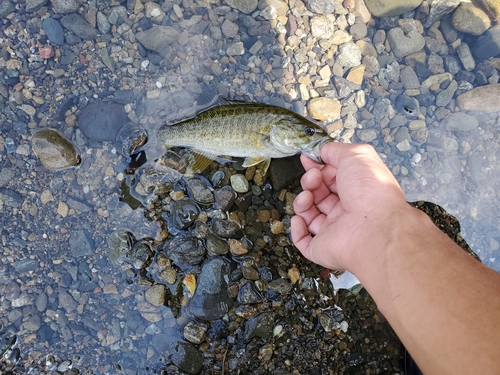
{"x":253,"y":160}
{"x":198,"y":161}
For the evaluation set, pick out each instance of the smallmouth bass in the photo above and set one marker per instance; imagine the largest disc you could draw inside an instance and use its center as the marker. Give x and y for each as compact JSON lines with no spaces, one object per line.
{"x":256,"y":132}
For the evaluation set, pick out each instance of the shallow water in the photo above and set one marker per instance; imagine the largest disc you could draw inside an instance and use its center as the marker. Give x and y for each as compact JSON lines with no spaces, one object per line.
{"x":71,"y":308}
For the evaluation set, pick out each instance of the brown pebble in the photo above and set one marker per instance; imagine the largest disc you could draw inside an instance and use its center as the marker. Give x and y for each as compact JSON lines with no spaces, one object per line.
{"x":237,"y":248}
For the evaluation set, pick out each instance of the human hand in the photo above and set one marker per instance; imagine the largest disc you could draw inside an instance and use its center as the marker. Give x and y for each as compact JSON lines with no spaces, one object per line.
{"x":347,"y":206}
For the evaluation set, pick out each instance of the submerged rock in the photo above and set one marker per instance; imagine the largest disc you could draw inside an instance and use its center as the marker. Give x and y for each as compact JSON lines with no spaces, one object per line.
{"x":54,"y":151}
{"x":102,"y":121}
{"x":211,"y":300}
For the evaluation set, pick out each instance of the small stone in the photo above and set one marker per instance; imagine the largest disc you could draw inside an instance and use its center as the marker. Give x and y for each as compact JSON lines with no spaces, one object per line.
{"x":235,"y":49}
{"x":404,"y":146}
{"x":157,"y":38}
{"x":102,"y":121}
{"x":358,"y":31}
{"x":54,"y":151}
{"x":323,"y":109}
{"x":229,"y":29}
{"x":78,"y":26}
{"x":445,"y":96}
{"x":245,"y":6}
{"x":239,"y":183}
{"x":322,"y":27}
{"x":320,"y":6}
{"x":277,"y":227}
{"x":62,"y":209}
{"x":81,"y":243}
{"x":237,"y":248}
{"x":156,"y":295}
{"x":466,"y":57}
{"x":65,"y":6}
{"x":195,"y":331}
{"x":294,"y":274}
{"x":46,"y":52}
{"x":53,"y":30}
{"x":349,"y":55}
{"x":366,"y":135}
{"x":169,"y":275}
{"x":356,"y":74}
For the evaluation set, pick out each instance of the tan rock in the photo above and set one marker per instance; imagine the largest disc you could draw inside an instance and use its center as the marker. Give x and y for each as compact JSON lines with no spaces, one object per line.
{"x":323,"y":109}
{"x":492,"y":7}
{"x":356,"y":74}
{"x":470,"y":19}
{"x":482,"y":98}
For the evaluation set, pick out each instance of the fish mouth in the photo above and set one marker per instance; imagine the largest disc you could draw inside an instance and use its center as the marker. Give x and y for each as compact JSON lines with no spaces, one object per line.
{"x":313,"y":149}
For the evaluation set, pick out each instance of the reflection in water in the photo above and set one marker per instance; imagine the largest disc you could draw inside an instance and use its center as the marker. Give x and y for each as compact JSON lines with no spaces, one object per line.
{"x":207,"y":281}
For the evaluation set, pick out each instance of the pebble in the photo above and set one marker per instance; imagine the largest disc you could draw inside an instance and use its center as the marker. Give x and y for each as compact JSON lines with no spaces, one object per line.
{"x":260,"y":325}
{"x":6,"y":174}
{"x":323,"y":109}
{"x":156,"y":295}
{"x":349,"y":55}
{"x":54,"y":151}
{"x":245,"y":6}
{"x":195,"y":332}
{"x":157,"y":38}
{"x":185,"y":250}
{"x":237,"y":248}
{"x":239,"y":183}
{"x":53,"y":30}
{"x":320,"y":6}
{"x":235,"y":49}
{"x":322,"y":27}
{"x":102,"y":121}
{"x":81,"y":243}
{"x":65,"y":6}
{"x":466,"y":57}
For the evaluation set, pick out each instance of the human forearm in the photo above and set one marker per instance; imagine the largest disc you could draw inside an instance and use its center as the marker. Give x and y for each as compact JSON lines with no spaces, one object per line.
{"x":443,"y":304}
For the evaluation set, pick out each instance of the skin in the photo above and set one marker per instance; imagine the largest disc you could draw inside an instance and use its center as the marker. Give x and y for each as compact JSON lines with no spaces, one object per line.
{"x":443,"y":304}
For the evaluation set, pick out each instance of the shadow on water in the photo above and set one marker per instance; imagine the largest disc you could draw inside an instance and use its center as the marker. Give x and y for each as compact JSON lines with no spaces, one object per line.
{"x":111,"y":267}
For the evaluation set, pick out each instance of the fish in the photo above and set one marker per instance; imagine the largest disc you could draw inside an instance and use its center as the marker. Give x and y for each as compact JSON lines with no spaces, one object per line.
{"x":253,"y":131}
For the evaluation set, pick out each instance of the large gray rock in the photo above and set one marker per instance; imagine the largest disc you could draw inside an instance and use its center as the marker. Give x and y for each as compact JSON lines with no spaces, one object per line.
{"x":483,"y":98}
{"x":157,"y":38}
{"x":102,"y":121}
{"x":470,"y":19}
{"x":403,"y":45}
{"x":488,"y":44}
{"x":320,"y":6}
{"x":459,"y":121}
{"x":389,"y":8}
{"x":78,"y":26}
{"x":440,"y":8}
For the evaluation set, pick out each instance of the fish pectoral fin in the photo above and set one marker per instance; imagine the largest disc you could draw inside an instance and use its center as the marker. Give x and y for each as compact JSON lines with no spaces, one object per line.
{"x":253,"y":160}
{"x":198,"y":161}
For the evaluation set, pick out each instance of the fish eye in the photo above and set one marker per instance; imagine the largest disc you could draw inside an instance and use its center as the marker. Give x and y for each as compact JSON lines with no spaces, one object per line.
{"x":309,"y":131}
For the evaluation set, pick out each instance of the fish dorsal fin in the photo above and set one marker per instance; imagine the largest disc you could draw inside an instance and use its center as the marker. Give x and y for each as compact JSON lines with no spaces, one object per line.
{"x":198,"y":161}
{"x":253,"y":160}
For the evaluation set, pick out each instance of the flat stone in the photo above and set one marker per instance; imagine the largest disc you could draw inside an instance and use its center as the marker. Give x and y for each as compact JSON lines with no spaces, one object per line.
{"x":245,"y":6}
{"x":445,"y":96}
{"x":483,"y":98}
{"x":157,"y":38}
{"x":390,"y":8}
{"x":235,"y":49}
{"x":470,"y":19}
{"x":102,"y":121}
{"x":81,"y":243}
{"x":78,"y":26}
{"x":402,"y":45}
{"x":356,"y":74}
{"x":409,"y":78}
{"x":459,"y":121}
{"x":323,"y":109}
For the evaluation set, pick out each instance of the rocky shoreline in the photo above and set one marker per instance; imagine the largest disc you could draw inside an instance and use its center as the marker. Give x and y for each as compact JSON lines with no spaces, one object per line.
{"x":112,"y":269}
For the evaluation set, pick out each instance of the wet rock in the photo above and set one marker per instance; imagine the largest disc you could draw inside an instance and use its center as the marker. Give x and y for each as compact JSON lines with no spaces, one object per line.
{"x":245,"y":6}
{"x":157,"y":38}
{"x":224,"y":198}
{"x":320,"y":6}
{"x":218,"y":330}
{"x":41,"y":301}
{"x":445,"y":96}
{"x":488,"y":44}
{"x":54,"y":151}
{"x":78,"y":26}
{"x":26,"y":265}
{"x":492,"y":7}
{"x":409,"y":78}
{"x":322,"y":27}
{"x":470,"y":19}
{"x":169,"y":275}
{"x":248,"y":294}
{"x":102,"y":121}
{"x":186,"y":357}
{"x":438,"y":9}
{"x":6,"y":175}
{"x":239,"y":183}
{"x":235,"y":49}
{"x":389,"y":8}
{"x":403,"y":45}
{"x":120,"y":244}
{"x":185,"y":213}
{"x":10,"y":198}
{"x":349,"y":55}
{"x":280,"y":286}
{"x":54,"y":31}
{"x":199,"y":191}
{"x":483,"y":98}
{"x":466,"y":57}
{"x":195,"y":331}
{"x":407,"y":106}
{"x":65,"y":6}
{"x":216,"y":245}
{"x":459,"y":121}
{"x":185,"y":250}
{"x":226,"y":228}
{"x":284,"y":171}
{"x":6,"y":8}
{"x":323,"y":109}
{"x":211,"y":300}
{"x":81,"y":243}
{"x":260,"y":325}
{"x":367,"y":135}
{"x":156,"y":295}
{"x":130,"y":138}
{"x":141,"y":255}
{"x":67,"y":302}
